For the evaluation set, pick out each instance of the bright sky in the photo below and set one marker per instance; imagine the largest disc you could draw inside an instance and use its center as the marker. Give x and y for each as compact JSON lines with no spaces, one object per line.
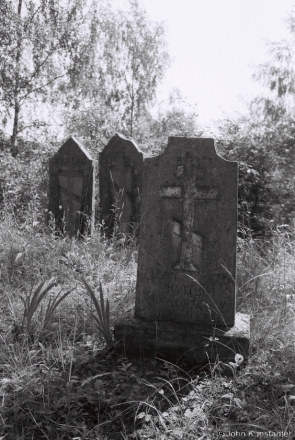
{"x":213,"y":44}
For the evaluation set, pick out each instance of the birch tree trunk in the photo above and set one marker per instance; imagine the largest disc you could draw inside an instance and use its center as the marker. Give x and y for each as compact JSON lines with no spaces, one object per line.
{"x":14,"y":149}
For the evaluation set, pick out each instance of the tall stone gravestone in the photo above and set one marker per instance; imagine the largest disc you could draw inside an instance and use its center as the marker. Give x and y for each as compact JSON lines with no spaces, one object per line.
{"x":71,"y":188}
{"x":120,"y":181}
{"x":185,"y":293}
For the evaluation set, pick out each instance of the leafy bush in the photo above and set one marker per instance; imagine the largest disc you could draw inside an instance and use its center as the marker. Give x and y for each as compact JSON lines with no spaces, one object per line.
{"x":23,"y":181}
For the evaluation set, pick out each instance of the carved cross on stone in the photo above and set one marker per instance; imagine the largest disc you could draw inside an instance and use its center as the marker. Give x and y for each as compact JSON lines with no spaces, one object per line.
{"x":185,"y":290}
{"x":188,"y":227}
{"x":191,"y":241}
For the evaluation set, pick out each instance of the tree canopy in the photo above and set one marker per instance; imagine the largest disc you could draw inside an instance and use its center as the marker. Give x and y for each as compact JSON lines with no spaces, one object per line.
{"x":77,"y":56}
{"x":263,"y":140}
{"x":93,"y":71}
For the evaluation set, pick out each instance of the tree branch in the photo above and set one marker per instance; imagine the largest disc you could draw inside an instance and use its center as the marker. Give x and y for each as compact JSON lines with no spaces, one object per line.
{"x":37,"y":70}
{"x":41,"y":87}
{"x":53,"y":50}
{"x":29,"y":126}
{"x":31,"y":18}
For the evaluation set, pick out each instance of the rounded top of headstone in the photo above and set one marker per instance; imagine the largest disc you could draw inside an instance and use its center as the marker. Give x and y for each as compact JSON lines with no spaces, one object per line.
{"x":205,"y":147}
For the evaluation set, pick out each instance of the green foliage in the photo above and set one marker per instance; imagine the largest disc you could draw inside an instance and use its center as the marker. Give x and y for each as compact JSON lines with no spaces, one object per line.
{"x":265,"y":151}
{"x":234,"y":142}
{"x":35,"y":57}
{"x":121,"y":67}
{"x":51,"y":307}
{"x":78,"y":56}
{"x":32,"y":301}
{"x":23,"y":182}
{"x":262,"y":141}
{"x":171,"y":117}
{"x":258,"y":397}
{"x":63,"y":385}
{"x":141,"y":59}
{"x":103,"y":313}
{"x":60,"y":383}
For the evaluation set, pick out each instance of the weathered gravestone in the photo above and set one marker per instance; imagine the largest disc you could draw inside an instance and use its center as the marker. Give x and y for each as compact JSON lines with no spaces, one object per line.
{"x":185,"y":293}
{"x":120,"y":181}
{"x":71,"y":188}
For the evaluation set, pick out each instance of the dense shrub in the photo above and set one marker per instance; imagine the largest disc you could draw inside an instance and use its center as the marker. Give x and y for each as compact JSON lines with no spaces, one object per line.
{"x":24,"y":180}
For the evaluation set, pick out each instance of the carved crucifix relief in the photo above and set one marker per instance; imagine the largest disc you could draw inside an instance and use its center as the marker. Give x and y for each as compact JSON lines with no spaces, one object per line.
{"x":184,"y":233}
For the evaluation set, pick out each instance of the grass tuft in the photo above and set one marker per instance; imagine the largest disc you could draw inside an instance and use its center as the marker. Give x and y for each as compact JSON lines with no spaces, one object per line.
{"x":103,"y":313}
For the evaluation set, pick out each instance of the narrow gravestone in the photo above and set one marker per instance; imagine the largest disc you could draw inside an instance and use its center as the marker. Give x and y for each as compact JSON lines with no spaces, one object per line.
{"x":120,"y":181}
{"x":71,"y":188}
{"x":185,"y":293}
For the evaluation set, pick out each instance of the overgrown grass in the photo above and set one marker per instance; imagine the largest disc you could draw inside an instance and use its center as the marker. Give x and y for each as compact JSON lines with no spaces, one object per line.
{"x":65,"y":383}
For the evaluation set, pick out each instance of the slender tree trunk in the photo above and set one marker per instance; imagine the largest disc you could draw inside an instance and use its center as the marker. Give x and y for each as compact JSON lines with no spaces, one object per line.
{"x":14,"y":149}
{"x":132,"y":110}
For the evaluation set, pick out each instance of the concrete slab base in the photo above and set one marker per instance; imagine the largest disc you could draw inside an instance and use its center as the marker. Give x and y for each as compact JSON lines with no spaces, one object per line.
{"x":177,"y":342}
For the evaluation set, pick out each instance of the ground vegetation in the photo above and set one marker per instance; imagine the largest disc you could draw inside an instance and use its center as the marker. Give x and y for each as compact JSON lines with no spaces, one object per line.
{"x":60,"y":298}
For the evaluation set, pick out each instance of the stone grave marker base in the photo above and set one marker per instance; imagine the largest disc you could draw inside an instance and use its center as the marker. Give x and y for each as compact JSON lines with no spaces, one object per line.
{"x":173,"y":341}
